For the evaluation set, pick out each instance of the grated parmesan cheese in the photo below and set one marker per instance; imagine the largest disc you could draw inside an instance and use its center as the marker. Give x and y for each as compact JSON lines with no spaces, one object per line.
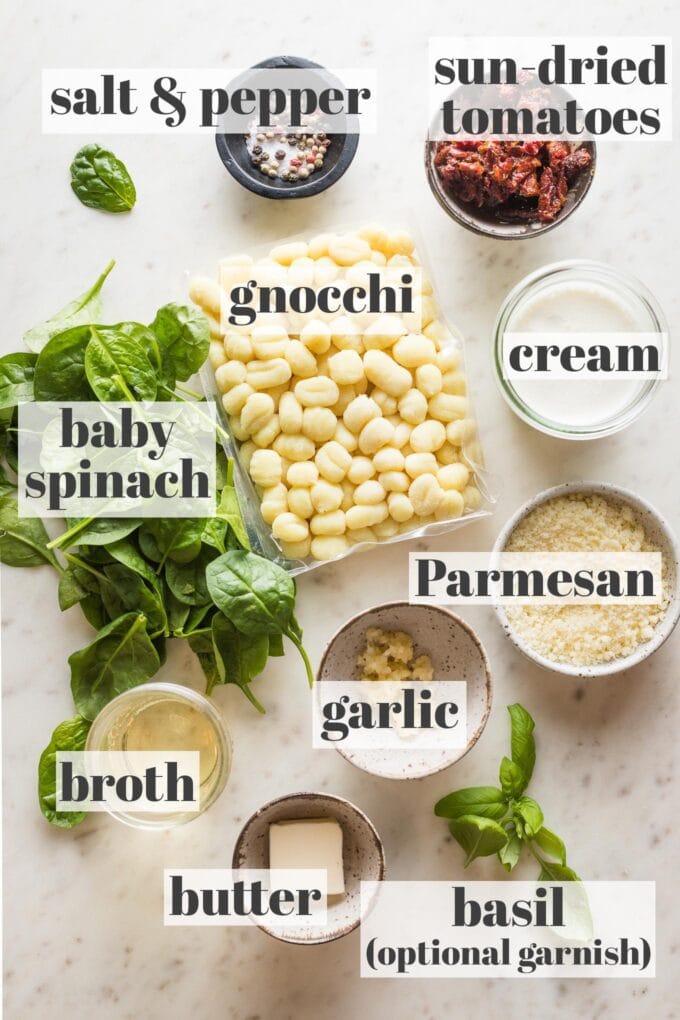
{"x":589,"y":634}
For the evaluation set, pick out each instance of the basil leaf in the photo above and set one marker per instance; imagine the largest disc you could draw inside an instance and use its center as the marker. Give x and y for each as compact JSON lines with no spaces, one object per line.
{"x":101,"y":180}
{"x":257,"y":595}
{"x":184,"y":334}
{"x":483,"y":801}
{"x":118,"y":362}
{"x":23,"y":540}
{"x":120,"y":657}
{"x":69,"y":735}
{"x":60,"y":368}
{"x":551,"y":846}
{"x":16,"y":378}
{"x":479,"y":837}
{"x":508,"y":855}
{"x":531,"y":815}
{"x":522,"y":742}
{"x":552,"y":872}
{"x":84,"y":309}
{"x":511,"y":778}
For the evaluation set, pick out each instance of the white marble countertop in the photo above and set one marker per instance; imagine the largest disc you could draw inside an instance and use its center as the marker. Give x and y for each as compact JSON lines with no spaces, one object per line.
{"x":83,"y":931}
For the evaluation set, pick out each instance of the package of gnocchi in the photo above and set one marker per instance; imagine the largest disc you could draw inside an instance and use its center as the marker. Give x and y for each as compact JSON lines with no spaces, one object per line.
{"x":344,"y":395}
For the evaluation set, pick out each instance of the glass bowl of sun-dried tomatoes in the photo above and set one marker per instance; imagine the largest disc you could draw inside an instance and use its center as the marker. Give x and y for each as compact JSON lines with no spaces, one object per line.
{"x":509,"y":188}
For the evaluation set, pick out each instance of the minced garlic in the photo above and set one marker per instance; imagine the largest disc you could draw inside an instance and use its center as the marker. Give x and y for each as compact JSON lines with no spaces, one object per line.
{"x":388,"y":655}
{"x":589,"y":634}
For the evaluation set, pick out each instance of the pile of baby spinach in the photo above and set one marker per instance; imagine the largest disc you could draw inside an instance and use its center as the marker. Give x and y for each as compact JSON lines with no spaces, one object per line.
{"x":138,"y":582}
{"x":487,"y":820}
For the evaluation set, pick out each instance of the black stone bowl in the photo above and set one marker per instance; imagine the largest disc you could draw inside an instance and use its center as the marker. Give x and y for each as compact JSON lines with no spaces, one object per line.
{"x":234,"y":152}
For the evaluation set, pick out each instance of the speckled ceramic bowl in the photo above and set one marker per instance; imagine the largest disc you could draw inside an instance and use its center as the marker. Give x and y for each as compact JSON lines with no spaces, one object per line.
{"x":363,"y":858}
{"x":658,"y":531}
{"x":456,"y":653}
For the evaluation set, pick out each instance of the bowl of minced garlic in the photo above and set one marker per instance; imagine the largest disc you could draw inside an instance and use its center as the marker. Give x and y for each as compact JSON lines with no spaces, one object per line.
{"x":590,"y":639}
{"x":397,"y":642}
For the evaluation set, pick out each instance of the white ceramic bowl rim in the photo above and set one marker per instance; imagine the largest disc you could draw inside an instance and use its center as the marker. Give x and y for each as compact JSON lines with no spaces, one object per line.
{"x":664,"y":628}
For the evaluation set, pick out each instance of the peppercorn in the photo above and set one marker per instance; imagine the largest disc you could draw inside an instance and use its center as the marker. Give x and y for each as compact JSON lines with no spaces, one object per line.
{"x":256,"y":150}
{"x":318,"y":163}
{"x":303,"y":172}
{"x":280,"y":154}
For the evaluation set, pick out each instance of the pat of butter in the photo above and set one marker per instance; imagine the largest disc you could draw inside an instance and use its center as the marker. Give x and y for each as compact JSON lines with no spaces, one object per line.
{"x":309,"y":843}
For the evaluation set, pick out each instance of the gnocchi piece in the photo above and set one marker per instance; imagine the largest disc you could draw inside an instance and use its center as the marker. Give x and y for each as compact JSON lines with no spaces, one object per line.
{"x":331,"y":523}
{"x":316,"y":336}
{"x":472,"y":498}
{"x":361,"y":535}
{"x":265,"y":468}
{"x":346,"y":438}
{"x":289,"y":527}
{"x":318,"y":423}
{"x":345,"y":334}
{"x":447,"y":407}
{"x":301,"y":360}
{"x":297,"y":550}
{"x":360,"y":470}
{"x":290,"y":414}
{"x":387,"y":528}
{"x":347,"y":494}
{"x":234,"y":401}
{"x":238,"y":347}
{"x":400,"y":507}
{"x":454,"y":383}
{"x":414,"y":350}
{"x":348,"y":249}
{"x":450,"y":506}
{"x":269,"y":341}
{"x":382,"y":371}
{"x":264,"y":375}
{"x":420,"y":464}
{"x":383,"y":332}
{"x":369,"y":492}
{"x":328,"y":547}
{"x":425,"y":494}
{"x":266,"y":435}
{"x":460,"y":432}
{"x":317,"y":392}
{"x":274,"y":502}
{"x":455,"y":476}
{"x":386,"y":403}
{"x":257,"y":411}
{"x":394,"y":481}
{"x":413,"y":407}
{"x":359,"y":412}
{"x":446,"y":454}
{"x":295,"y":447}
{"x":216,"y":354}
{"x":429,"y":380}
{"x":326,"y":496}
{"x":428,"y":436}
{"x":376,"y":433}
{"x":287,"y":253}
{"x":402,"y":434}
{"x":365,"y":516}
{"x":304,"y":474}
{"x":300,"y":501}
{"x":388,"y":459}
{"x":246,"y":452}
{"x":333,"y":461}
{"x":346,"y":367}
{"x":229,"y":374}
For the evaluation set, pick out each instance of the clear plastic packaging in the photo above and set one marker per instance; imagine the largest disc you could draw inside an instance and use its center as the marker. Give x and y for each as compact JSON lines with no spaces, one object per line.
{"x":469,"y":453}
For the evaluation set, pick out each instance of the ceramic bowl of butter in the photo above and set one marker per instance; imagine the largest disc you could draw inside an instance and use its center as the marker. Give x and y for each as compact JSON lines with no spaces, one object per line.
{"x":589,"y":639}
{"x":315,"y":831}
{"x":397,"y":641}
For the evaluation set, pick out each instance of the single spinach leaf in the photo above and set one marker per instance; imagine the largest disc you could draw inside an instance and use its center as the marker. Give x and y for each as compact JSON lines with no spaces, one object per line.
{"x":257,"y":595}
{"x":93,"y":611}
{"x":120,"y":657}
{"x":23,"y":540}
{"x":126,"y":592}
{"x":101,"y":180}
{"x":184,"y":334}
{"x":60,"y":368}
{"x":173,"y":538}
{"x":508,"y":855}
{"x":125,"y":551}
{"x":201,"y":646}
{"x":522,"y":742}
{"x":187,"y":581}
{"x":69,"y":735}
{"x":16,"y":378}
{"x":483,"y":801}
{"x":239,"y":657}
{"x":551,"y":846}
{"x":478,"y":836}
{"x":177,"y":613}
{"x":99,"y":530}
{"x":229,"y":510}
{"x":511,"y":778}
{"x":71,"y":591}
{"x":215,"y":533}
{"x":276,"y":645}
{"x":118,"y":362}
{"x":84,"y":309}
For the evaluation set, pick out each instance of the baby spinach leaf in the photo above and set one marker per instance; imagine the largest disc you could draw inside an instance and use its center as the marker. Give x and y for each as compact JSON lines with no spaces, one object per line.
{"x":483,"y":801}
{"x":69,"y":735}
{"x":187,"y":581}
{"x":239,"y":657}
{"x":117,"y":362}
{"x":120,"y":657}
{"x":201,"y":646}
{"x":101,"y":180}
{"x":125,"y":551}
{"x":99,"y":530}
{"x":276,"y":645}
{"x":522,"y":743}
{"x":177,"y":613}
{"x":215,"y":533}
{"x":23,"y":540}
{"x":257,"y":595}
{"x":127,"y":592}
{"x":60,"y":368}
{"x":228,"y":510}
{"x":71,"y":591}
{"x":173,"y":538}
{"x":93,"y":610}
{"x":84,"y":309}
{"x":16,"y":378}
{"x":184,"y":334}
{"x":478,"y":836}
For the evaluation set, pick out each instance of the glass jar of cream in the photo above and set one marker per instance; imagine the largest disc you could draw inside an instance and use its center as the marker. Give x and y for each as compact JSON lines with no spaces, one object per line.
{"x":582,"y":306}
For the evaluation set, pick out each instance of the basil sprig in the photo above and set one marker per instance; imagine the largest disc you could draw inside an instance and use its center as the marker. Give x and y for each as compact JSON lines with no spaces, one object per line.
{"x":501,"y":820}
